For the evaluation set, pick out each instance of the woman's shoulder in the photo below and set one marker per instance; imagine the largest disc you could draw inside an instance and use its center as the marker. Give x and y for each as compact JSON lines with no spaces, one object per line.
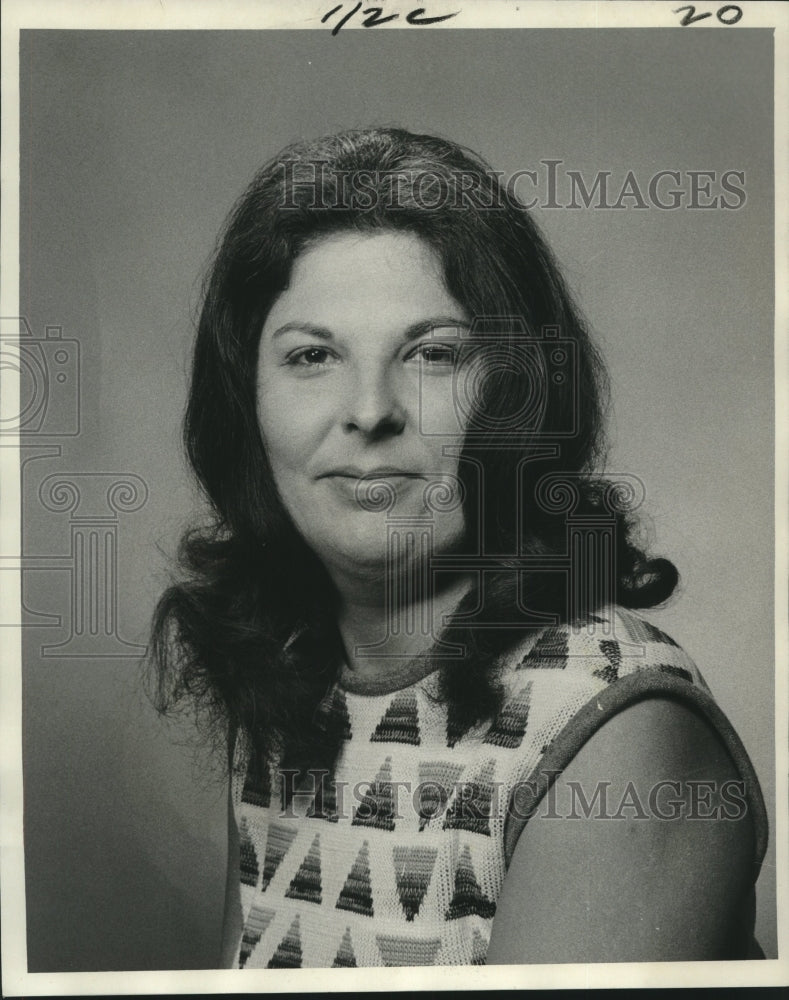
{"x":577,"y":675}
{"x":670,"y":889}
{"x":616,"y":683}
{"x":605,"y":646}
{"x":625,"y":729}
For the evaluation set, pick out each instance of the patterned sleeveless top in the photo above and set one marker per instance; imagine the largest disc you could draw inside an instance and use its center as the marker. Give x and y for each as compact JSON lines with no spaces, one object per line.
{"x":398,"y":857}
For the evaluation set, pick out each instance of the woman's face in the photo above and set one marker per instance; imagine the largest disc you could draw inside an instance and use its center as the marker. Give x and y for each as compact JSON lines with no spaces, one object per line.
{"x":350,"y":358}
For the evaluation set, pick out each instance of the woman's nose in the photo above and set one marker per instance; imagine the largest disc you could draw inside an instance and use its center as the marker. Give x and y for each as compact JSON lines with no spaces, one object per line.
{"x":373,"y":407}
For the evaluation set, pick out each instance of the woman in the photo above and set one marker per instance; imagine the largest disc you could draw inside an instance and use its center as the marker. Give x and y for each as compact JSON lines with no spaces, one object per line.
{"x":411,"y":621}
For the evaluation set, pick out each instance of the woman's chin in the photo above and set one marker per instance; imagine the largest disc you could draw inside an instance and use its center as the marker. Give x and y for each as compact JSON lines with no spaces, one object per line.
{"x":374,"y":555}
{"x":368,"y":557}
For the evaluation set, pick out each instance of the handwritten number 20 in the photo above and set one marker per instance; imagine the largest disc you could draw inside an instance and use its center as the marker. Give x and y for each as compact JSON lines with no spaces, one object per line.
{"x":730,"y":14}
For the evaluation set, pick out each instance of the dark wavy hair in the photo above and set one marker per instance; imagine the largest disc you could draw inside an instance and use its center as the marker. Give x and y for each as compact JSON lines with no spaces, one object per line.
{"x":248,"y":630}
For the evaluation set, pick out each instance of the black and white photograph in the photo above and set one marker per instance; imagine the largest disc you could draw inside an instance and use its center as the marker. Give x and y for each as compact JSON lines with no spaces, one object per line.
{"x":394,"y":507}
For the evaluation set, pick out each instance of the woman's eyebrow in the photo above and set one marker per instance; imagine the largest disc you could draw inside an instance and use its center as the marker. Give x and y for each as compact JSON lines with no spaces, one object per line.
{"x":434,"y":323}
{"x":303,"y":327}
{"x":410,"y":333}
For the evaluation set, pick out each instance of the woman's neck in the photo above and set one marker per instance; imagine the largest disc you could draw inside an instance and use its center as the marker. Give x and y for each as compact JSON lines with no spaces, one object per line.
{"x":384,"y":627}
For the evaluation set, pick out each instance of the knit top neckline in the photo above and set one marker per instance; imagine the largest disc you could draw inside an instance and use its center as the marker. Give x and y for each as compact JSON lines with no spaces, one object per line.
{"x":396,"y":678}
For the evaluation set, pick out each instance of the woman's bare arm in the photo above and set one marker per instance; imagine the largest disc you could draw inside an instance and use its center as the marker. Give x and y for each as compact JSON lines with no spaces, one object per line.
{"x":585,"y":888}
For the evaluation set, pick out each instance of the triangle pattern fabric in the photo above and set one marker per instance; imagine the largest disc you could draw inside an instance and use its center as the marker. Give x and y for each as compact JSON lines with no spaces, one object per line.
{"x":278,"y":842}
{"x":400,"y":723}
{"x":332,"y":714}
{"x":357,"y":894}
{"x":257,"y":784}
{"x":550,"y":651}
{"x":407,"y":951}
{"x":456,"y":729}
{"x":479,"y":949}
{"x":436,"y":782}
{"x":472,"y":807}
{"x":641,"y":631}
{"x":306,"y":883}
{"x":413,"y":869}
{"x":613,"y":653}
{"x":249,"y":859}
{"x":288,"y":954}
{"x":345,"y":957}
{"x":670,"y":668}
{"x":509,"y":727}
{"x":377,"y":808}
{"x":324,"y":804}
{"x":468,"y":899}
{"x":338,"y":711}
{"x":258,"y":920}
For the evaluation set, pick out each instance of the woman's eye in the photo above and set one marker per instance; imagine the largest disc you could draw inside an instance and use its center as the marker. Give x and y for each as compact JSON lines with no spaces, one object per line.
{"x":435,"y":354}
{"x":309,"y":357}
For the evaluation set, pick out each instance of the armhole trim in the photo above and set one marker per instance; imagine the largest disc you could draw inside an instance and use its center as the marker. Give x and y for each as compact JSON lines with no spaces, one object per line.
{"x":627,"y":691}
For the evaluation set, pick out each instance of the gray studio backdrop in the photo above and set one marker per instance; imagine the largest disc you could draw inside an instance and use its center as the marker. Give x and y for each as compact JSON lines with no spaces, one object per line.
{"x":134,"y":146}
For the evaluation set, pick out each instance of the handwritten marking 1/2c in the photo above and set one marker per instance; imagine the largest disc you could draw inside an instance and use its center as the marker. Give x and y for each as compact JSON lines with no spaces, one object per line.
{"x":374,"y":16}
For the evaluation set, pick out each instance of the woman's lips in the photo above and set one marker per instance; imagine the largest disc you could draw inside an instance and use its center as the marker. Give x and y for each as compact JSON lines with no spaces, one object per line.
{"x":368,"y":490}
{"x":378,"y":472}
